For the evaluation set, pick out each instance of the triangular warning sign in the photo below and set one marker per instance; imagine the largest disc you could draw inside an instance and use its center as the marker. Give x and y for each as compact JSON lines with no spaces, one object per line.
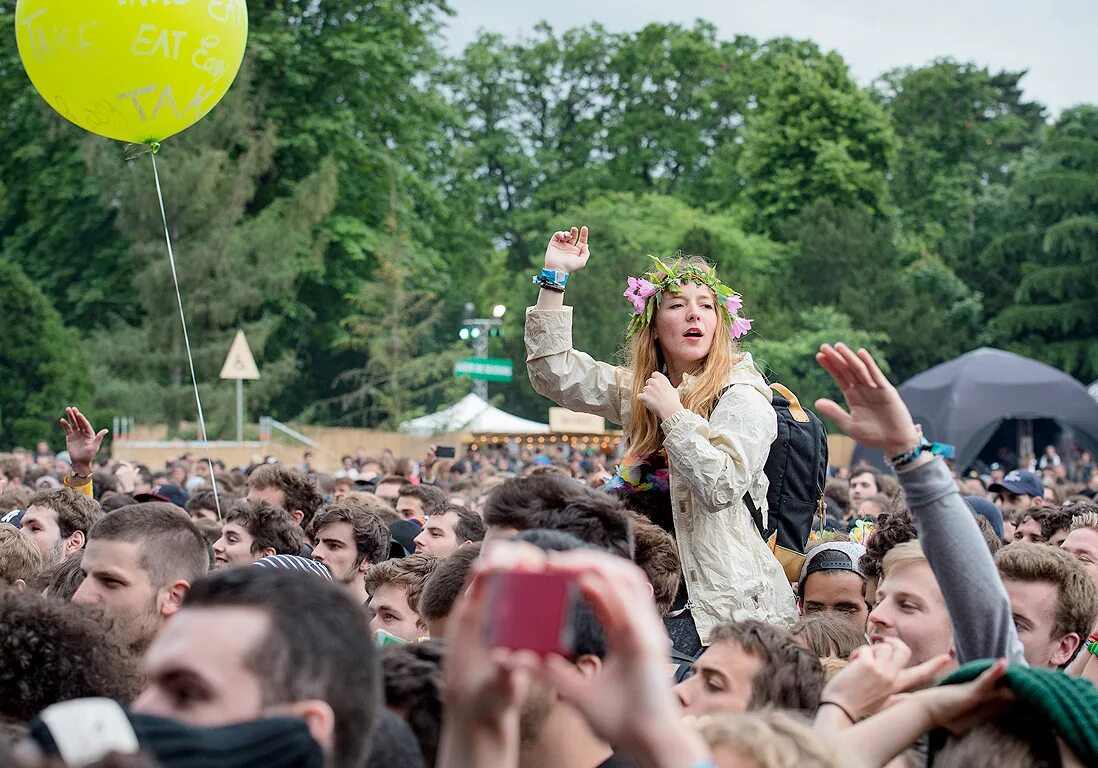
{"x":240,"y":364}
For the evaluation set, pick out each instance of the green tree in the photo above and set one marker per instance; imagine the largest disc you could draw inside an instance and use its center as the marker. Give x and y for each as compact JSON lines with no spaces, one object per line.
{"x":962,"y":130}
{"x":353,"y":81}
{"x":847,"y":260}
{"x":792,"y":360}
{"x":42,"y":362}
{"x":1056,"y":200}
{"x":394,"y":324}
{"x":237,"y":259}
{"x":52,"y":222}
{"x":816,"y":135}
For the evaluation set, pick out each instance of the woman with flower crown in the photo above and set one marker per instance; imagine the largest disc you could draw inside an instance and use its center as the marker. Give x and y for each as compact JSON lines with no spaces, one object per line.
{"x":698,"y":424}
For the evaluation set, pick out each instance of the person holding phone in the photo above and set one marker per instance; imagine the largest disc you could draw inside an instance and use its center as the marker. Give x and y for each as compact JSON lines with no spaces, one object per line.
{"x":698,"y":424}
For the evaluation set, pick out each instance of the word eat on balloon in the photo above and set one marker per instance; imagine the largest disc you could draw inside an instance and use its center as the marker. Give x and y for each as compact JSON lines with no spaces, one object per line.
{"x":134,"y":70}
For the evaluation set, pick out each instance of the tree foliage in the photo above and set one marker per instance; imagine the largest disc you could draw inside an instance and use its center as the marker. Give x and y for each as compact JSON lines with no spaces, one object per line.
{"x":1053,"y":315}
{"x":42,"y":363}
{"x":358,"y":188}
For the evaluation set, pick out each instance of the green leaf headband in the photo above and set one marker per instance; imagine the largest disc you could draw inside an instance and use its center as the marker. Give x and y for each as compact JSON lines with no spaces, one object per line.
{"x":645,"y":293}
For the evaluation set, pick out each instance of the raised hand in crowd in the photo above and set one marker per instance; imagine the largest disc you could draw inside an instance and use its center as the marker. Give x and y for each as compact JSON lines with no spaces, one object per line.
{"x":875,"y":674}
{"x":956,"y":708}
{"x":629,"y":703}
{"x":567,"y":252}
{"x":877,"y":417}
{"x":82,"y":442}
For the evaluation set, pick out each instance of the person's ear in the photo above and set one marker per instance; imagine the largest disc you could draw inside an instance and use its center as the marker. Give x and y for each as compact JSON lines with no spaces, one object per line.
{"x":18,"y":585}
{"x":298,"y":516}
{"x":318,"y":716}
{"x":267,"y":552}
{"x":589,"y":665}
{"x":74,"y":543}
{"x":173,"y":597}
{"x":1065,"y":649}
{"x":365,"y":565}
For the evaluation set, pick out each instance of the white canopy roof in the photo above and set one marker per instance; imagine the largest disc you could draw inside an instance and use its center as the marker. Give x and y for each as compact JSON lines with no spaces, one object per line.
{"x":471,"y":414}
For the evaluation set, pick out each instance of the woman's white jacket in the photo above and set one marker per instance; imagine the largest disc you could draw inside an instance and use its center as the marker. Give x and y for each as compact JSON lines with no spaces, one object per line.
{"x":729,"y":570}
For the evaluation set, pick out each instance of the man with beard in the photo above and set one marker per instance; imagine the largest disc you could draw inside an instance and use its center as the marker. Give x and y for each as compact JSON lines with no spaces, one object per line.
{"x":59,"y":521}
{"x":138,"y":565}
{"x":350,"y":539}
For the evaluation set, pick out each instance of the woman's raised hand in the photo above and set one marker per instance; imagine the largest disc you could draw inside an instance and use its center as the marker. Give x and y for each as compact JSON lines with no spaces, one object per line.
{"x":567,"y":251}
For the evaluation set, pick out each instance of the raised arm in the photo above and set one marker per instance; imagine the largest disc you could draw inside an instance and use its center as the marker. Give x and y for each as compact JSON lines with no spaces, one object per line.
{"x":569,"y":378}
{"x":983,"y":624}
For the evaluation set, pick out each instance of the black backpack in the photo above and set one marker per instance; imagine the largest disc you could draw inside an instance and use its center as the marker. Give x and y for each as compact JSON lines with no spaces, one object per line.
{"x":797,"y":470}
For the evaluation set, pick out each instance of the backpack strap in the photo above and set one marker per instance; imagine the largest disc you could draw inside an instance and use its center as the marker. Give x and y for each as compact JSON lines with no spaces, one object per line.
{"x":796,"y":410}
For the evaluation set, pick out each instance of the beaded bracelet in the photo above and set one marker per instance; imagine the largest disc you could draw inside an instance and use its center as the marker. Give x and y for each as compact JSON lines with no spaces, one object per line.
{"x":910,"y":455}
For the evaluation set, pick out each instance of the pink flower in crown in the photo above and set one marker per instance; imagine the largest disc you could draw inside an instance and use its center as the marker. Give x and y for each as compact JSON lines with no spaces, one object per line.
{"x":740,"y":327}
{"x":734,"y":304}
{"x":638,"y":292}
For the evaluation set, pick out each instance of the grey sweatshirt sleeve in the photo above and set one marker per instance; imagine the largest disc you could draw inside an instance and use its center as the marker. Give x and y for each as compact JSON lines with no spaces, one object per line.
{"x":983,"y":624}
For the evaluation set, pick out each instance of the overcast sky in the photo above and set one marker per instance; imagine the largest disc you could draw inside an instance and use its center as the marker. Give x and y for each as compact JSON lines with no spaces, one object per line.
{"x":1056,"y":41}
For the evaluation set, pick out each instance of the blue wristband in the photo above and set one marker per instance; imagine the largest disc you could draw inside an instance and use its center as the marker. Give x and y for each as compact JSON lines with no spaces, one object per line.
{"x":551,"y":280}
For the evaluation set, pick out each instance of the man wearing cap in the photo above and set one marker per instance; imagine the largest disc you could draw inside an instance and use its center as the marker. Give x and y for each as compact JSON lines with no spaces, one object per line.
{"x":833,"y":584}
{"x":1017,"y":492}
{"x":166,"y":492}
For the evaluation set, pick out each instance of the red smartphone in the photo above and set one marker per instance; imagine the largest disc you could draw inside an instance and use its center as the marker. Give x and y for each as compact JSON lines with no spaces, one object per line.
{"x":531,"y":611}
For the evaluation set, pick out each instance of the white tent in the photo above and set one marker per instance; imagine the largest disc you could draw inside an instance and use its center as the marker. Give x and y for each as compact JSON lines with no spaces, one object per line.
{"x":471,"y":414}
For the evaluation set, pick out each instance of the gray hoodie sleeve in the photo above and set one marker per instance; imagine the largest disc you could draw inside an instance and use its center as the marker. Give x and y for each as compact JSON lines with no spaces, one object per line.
{"x":983,"y":624}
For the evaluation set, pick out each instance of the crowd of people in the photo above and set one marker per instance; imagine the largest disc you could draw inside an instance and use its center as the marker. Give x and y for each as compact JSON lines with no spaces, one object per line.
{"x":558,"y":610}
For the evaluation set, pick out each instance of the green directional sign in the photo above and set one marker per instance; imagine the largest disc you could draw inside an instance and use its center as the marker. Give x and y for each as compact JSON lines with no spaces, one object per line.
{"x":487,"y":368}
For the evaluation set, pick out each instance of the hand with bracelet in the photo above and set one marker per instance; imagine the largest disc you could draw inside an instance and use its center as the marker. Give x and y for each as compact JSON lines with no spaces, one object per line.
{"x":875,"y":674}
{"x":566,"y":253}
{"x":82,"y":442}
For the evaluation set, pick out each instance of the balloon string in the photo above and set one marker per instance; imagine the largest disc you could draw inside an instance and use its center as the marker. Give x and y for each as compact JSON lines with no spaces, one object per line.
{"x":186,"y":336}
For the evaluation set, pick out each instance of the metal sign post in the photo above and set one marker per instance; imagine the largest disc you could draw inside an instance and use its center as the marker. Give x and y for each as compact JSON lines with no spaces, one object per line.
{"x":240,"y":365}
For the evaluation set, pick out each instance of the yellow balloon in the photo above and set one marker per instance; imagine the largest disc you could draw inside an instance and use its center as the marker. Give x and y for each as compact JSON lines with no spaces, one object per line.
{"x":133,"y":70}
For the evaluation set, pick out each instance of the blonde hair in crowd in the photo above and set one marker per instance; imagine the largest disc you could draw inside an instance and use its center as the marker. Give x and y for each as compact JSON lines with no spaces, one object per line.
{"x":907,"y":553}
{"x":770,"y":739}
{"x":1085,"y":520}
{"x":644,"y":358}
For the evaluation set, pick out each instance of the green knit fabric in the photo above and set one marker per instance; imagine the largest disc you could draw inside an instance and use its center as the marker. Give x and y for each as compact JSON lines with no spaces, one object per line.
{"x":1068,"y":704}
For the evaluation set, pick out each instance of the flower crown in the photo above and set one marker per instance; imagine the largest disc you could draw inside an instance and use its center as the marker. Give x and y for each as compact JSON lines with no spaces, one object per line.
{"x":663,"y":279}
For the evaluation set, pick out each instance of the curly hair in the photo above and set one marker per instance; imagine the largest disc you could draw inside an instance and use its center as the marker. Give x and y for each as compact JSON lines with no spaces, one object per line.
{"x":54,"y":652}
{"x":271,"y":527}
{"x":1056,"y":520}
{"x":372,"y":536}
{"x":298,"y":489}
{"x":892,"y":528}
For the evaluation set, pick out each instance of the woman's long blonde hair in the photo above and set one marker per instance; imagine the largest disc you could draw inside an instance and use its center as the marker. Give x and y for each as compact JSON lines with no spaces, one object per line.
{"x":644,"y":357}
